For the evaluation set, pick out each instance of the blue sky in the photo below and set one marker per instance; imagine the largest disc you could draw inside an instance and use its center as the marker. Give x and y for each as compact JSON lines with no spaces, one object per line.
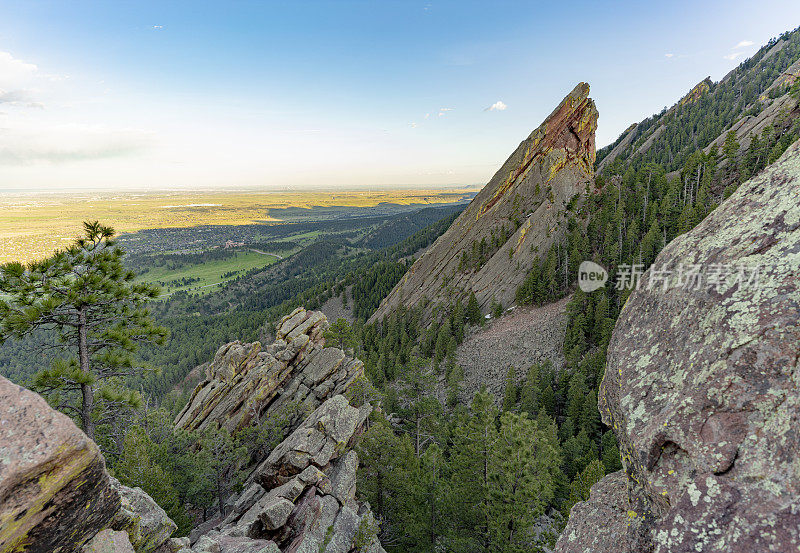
{"x":323,"y":94}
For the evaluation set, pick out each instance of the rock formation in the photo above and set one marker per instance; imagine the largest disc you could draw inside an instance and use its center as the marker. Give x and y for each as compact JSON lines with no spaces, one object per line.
{"x":245,"y":383}
{"x":55,"y":493}
{"x":517,"y":215}
{"x":302,"y":498}
{"x":702,"y":389}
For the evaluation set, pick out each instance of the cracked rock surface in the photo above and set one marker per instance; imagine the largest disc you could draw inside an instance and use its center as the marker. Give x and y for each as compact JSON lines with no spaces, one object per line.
{"x":703,"y":391}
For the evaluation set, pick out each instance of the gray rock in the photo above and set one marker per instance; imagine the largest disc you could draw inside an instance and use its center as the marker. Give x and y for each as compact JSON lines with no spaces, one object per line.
{"x":343,"y":477}
{"x":597,"y":524}
{"x":701,"y":385}
{"x":246,"y":383}
{"x":275,"y":513}
{"x":109,"y":541}
{"x":147,"y":525}
{"x":320,"y":439}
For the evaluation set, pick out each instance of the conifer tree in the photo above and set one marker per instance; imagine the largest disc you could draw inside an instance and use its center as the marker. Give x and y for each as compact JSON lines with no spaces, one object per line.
{"x":90,"y":300}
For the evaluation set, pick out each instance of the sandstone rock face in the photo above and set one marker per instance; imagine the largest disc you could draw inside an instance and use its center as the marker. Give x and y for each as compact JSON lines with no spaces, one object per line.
{"x":55,"y":493}
{"x":702,"y":385}
{"x":302,"y":497}
{"x":525,"y":200}
{"x":246,"y":383}
{"x":146,"y":524}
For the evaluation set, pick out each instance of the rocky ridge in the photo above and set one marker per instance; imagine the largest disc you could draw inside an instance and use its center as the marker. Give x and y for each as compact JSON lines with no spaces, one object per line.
{"x":246,"y":383}
{"x":524,"y":201}
{"x":702,"y":391}
{"x":302,"y":498}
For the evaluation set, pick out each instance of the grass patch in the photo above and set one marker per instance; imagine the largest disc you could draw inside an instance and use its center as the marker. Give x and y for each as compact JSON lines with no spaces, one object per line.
{"x":205,"y":277}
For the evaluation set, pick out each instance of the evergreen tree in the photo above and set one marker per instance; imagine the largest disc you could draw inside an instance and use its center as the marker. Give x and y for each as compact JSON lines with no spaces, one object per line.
{"x":510,"y":393}
{"x":473,"y":313}
{"x":340,"y":335}
{"x":85,"y":295}
{"x":522,"y":473}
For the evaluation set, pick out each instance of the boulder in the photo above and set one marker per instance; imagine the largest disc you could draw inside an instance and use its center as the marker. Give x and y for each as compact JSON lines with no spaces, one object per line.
{"x":323,"y":436}
{"x":55,"y":493}
{"x":596,"y":525}
{"x":109,"y":541}
{"x":246,"y":383}
{"x":701,"y":386}
{"x":146,"y":523}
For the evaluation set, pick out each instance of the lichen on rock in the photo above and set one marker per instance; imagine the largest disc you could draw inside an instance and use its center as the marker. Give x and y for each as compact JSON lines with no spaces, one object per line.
{"x":702,"y":388}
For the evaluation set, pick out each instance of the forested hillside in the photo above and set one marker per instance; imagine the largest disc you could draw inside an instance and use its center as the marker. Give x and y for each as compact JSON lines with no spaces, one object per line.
{"x":670,"y":137}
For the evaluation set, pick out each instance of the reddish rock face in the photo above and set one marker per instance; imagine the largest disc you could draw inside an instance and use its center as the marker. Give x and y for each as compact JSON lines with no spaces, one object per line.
{"x":702,"y":386}
{"x":524,"y":203}
{"x":55,"y":492}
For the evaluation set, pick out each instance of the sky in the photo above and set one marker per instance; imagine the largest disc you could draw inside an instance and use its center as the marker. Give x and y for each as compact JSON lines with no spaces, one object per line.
{"x":288,"y":95}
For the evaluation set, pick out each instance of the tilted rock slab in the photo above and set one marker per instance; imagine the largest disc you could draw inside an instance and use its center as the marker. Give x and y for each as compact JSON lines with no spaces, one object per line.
{"x":55,"y":493}
{"x":702,"y":386}
{"x":302,"y":498}
{"x":246,"y":383}
{"x":532,"y":188}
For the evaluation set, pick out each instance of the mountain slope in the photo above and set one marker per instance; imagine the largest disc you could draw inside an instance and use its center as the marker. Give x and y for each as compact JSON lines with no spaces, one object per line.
{"x":491,"y":246}
{"x":757,"y":88}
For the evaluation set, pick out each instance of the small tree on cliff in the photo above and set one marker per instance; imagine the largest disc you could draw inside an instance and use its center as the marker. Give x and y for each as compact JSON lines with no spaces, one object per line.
{"x":86,"y":295}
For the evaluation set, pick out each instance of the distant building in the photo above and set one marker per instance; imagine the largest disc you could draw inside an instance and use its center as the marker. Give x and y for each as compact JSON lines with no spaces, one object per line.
{"x":231,"y":244}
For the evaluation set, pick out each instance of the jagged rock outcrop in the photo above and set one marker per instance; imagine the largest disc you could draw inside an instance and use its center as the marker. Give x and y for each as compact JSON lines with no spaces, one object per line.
{"x":517,"y":215}
{"x":302,"y":498}
{"x":246,"y":383}
{"x":703,"y":391}
{"x":55,"y":493}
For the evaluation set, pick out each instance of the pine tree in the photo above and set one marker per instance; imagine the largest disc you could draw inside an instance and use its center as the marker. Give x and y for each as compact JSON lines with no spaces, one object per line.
{"x":510,"y":394}
{"x":136,"y":468}
{"x":419,"y":408}
{"x":474,"y":439}
{"x":474,"y":311}
{"x":340,"y":334}
{"x":223,"y":460}
{"x":88,"y":298}
{"x":522,"y":473}
{"x":580,"y":486}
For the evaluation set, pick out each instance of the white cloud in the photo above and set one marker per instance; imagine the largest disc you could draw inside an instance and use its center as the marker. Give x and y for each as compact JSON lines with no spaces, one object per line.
{"x":15,"y":73}
{"x":427,"y":115}
{"x":48,"y":144}
{"x":669,"y":55}
{"x":157,"y":27}
{"x":442,"y":111}
{"x":733,"y":55}
{"x":497,"y":106}
{"x":413,"y":125}
{"x":744,"y":44}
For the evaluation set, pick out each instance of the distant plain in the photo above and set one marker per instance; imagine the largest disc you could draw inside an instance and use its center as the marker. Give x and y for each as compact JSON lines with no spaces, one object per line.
{"x":32,"y":226}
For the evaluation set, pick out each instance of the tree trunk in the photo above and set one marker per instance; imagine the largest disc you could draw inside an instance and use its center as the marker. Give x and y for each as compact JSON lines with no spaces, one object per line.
{"x":220,"y":497}
{"x":87,"y":393}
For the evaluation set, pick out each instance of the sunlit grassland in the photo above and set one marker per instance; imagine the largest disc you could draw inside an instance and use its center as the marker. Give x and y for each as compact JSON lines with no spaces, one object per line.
{"x":33,"y":226}
{"x":209,"y":274}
